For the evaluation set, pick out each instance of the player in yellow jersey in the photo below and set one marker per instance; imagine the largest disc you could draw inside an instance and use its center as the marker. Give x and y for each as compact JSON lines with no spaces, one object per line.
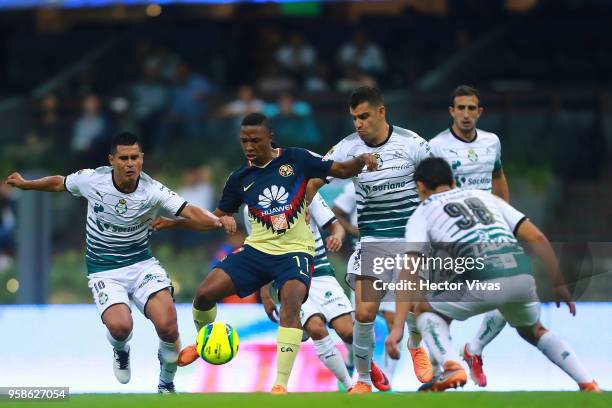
{"x":281,"y":246}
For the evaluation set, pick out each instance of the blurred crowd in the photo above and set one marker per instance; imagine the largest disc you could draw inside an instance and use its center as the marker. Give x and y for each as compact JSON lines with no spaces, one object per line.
{"x":169,"y":100}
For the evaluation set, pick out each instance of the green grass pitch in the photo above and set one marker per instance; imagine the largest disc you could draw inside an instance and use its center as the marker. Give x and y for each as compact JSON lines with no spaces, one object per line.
{"x":335,"y":400}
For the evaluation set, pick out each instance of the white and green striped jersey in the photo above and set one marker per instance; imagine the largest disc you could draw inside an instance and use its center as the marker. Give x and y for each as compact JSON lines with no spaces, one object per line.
{"x":321,"y":216}
{"x":472,"y":162}
{"x":386,"y":197}
{"x":466,"y":223}
{"x":118,"y":223}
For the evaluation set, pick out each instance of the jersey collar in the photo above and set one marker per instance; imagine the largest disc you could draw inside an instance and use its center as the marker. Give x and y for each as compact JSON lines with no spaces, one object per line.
{"x":119,"y":188}
{"x":463,"y":140}
{"x":384,"y":141}
{"x":279,"y":151}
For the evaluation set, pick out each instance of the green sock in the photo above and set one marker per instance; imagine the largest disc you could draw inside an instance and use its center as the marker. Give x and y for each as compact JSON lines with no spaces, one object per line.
{"x":202,"y":317}
{"x":287,"y":346}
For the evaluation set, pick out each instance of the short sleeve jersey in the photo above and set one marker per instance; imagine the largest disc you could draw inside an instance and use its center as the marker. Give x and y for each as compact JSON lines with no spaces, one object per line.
{"x":276,"y":196}
{"x":472,"y":162}
{"x":118,"y":223}
{"x":460,"y":220}
{"x":386,"y":197}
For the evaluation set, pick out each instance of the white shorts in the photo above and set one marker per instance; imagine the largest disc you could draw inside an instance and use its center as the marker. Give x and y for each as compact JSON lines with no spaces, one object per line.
{"x":136,"y":282}
{"x":325,"y":298}
{"x":387,"y":307}
{"x":520,"y":306}
{"x":353,"y":269}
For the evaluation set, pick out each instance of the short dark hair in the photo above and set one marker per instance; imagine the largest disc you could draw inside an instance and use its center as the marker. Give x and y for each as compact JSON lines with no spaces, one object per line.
{"x":124,"y":139}
{"x":464,"y":90}
{"x":370,"y":94}
{"x":434,"y":172}
{"x":255,"y":119}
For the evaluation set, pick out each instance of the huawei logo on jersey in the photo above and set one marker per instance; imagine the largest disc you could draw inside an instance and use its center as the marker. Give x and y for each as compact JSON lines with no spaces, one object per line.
{"x":271,"y":195}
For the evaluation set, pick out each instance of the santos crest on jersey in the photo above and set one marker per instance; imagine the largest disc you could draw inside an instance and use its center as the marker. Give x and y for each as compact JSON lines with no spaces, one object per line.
{"x":386,"y":197}
{"x":472,"y":162}
{"x":118,"y":223}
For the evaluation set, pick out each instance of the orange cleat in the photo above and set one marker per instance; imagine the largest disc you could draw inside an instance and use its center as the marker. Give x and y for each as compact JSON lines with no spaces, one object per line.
{"x":474,"y":361}
{"x":360,"y":388}
{"x":187,"y":356}
{"x":453,"y":376}
{"x":278,"y":390}
{"x":590,"y":387}
{"x":379,"y":379}
{"x":421,"y":364}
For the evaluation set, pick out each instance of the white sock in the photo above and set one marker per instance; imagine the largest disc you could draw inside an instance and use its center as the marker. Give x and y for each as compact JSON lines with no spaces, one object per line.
{"x":560,"y":353}
{"x":436,"y":334}
{"x":331,"y":357}
{"x":118,"y":345}
{"x":350,"y":358}
{"x":389,"y":366}
{"x":414,"y":339}
{"x":168,"y":353}
{"x":435,"y":367}
{"x":492,"y":324}
{"x":363,"y":347}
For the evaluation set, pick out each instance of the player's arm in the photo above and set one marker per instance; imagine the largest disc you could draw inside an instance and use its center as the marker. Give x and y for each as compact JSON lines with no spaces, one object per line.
{"x":416,"y":239}
{"x":351,"y":168}
{"x":404,"y":301}
{"x":50,"y":183}
{"x":336,"y":238}
{"x":342,"y":169}
{"x":342,"y":218}
{"x":500,"y":185}
{"x":268,"y":303}
{"x":526,"y":231}
{"x":196,"y":219}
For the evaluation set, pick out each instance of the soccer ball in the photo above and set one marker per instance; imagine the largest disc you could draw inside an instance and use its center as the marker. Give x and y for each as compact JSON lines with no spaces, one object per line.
{"x":217,"y":343}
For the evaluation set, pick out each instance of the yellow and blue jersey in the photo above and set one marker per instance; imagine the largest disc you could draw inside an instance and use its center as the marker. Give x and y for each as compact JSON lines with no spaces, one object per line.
{"x":276,"y":196}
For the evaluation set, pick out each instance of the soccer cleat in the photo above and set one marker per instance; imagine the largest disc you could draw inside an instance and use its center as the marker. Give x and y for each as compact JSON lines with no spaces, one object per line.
{"x":421,"y":364}
{"x":590,"y":387}
{"x":360,"y":388}
{"x":474,"y":361}
{"x":427,"y":387}
{"x":278,"y":390}
{"x":121,"y":365}
{"x":453,"y":376}
{"x":379,"y":379}
{"x":187,"y":356}
{"x":165,"y":388}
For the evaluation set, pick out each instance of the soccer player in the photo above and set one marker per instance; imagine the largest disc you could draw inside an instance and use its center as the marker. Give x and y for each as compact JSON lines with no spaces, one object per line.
{"x":122,"y":201}
{"x":476,"y":224}
{"x":281,"y":246}
{"x":327,"y":303}
{"x":475,"y":157}
{"x":386,"y":199}
{"x":345,"y":208}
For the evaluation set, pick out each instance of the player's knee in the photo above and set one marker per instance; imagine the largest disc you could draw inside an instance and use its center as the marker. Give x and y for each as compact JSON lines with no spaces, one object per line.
{"x":120,"y":330}
{"x":365,"y":315}
{"x":316,"y":328}
{"x":204,"y":299}
{"x":532,"y":334}
{"x":346,"y":334}
{"x":167,"y":330}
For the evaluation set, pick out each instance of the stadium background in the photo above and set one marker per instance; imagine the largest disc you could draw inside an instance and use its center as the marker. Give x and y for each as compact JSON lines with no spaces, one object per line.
{"x":176,"y":74}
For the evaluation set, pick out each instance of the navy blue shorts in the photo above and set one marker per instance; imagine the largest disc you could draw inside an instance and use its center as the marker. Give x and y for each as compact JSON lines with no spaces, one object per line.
{"x":251,"y":269}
